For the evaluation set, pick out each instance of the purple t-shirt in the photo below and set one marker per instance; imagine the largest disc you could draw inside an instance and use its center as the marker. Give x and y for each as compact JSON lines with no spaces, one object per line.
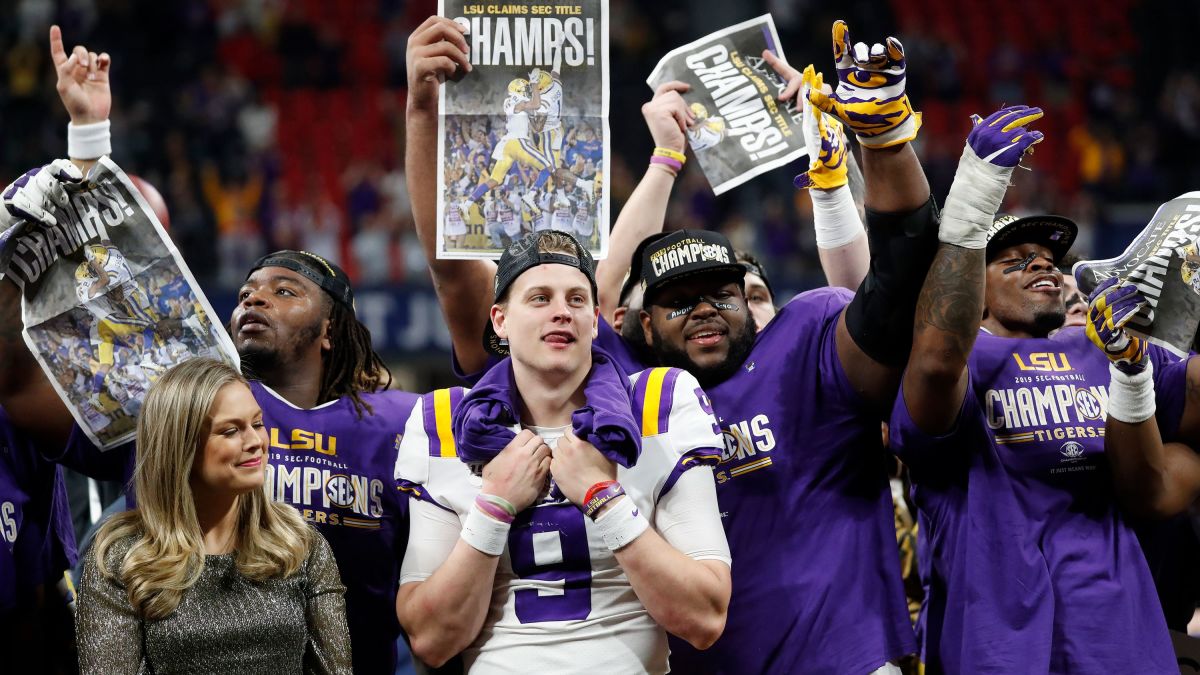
{"x":803,"y":492}
{"x":337,"y":469}
{"x":1028,"y":563}
{"x":37,"y":541}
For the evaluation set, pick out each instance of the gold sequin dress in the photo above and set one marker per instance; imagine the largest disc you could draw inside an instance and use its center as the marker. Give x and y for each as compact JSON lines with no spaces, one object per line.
{"x":226,"y":623}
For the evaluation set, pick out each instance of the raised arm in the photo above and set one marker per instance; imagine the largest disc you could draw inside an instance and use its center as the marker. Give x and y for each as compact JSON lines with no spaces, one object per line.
{"x":841,"y":239}
{"x":437,"y":51}
{"x":645,"y":213}
{"x":1152,"y":479}
{"x":950,"y":307}
{"x":84,"y":90}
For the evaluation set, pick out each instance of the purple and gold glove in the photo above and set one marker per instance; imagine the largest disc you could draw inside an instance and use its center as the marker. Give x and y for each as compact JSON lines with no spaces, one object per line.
{"x":826,"y":141}
{"x":993,"y":150}
{"x":870,"y":97}
{"x":33,"y":196}
{"x":1002,"y":139}
{"x":1110,"y":307}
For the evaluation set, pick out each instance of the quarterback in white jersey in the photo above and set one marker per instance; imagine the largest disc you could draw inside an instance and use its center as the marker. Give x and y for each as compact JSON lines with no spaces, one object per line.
{"x":550,"y":555}
{"x":561,"y":601}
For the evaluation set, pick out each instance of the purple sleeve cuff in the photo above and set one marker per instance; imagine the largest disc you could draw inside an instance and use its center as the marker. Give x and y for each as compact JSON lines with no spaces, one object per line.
{"x":418,"y":491}
{"x":690,"y":460}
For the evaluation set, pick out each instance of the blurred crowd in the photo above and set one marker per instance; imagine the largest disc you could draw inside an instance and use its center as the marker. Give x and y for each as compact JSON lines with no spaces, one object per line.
{"x":279,"y":123}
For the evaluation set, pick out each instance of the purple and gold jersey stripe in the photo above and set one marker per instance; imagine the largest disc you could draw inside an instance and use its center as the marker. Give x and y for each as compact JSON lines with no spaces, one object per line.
{"x":438,"y":408}
{"x":418,"y":491}
{"x":696,"y":457}
{"x":653,"y":395}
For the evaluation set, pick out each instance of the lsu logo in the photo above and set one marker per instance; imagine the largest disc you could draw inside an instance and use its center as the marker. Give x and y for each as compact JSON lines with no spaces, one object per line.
{"x":305,"y":440}
{"x":1044,"y":362}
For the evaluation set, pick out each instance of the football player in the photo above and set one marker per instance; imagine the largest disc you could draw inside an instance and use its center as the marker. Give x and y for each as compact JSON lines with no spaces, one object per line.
{"x":706,"y":131}
{"x":524,"y":577}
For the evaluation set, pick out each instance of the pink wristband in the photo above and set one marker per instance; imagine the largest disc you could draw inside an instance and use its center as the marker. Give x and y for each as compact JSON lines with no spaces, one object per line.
{"x":495,"y":511}
{"x":674,"y":164}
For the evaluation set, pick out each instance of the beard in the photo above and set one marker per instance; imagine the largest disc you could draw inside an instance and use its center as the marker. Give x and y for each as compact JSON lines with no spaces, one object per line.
{"x":259,"y":361}
{"x":1046,"y":321}
{"x":739,"y":348}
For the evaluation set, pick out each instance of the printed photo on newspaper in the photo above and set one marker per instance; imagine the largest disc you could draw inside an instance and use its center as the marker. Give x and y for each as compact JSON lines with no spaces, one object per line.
{"x":524,"y":136}
{"x":1164,"y":263}
{"x":108,"y":302}
{"x":741,"y":128}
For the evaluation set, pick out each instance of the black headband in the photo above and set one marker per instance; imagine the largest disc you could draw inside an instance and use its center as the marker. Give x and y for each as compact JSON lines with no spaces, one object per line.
{"x":334,"y":281}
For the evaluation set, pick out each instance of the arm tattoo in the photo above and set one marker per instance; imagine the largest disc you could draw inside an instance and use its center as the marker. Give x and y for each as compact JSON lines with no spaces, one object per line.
{"x":950,"y":306}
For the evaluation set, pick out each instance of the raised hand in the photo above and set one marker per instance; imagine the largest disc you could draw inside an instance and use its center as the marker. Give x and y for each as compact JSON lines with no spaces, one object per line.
{"x":82,"y":81}
{"x":34,"y":194}
{"x":437,"y":51}
{"x":518,"y":473}
{"x":826,"y":141}
{"x":870,"y":96}
{"x":1110,"y":306}
{"x":668,"y":116}
{"x":1002,"y":138}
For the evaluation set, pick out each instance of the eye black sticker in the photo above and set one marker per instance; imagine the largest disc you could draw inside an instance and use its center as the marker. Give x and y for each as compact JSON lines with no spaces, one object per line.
{"x":1020,"y":267}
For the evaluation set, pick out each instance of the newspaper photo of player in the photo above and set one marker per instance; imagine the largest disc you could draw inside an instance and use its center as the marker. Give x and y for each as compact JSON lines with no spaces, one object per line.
{"x":524,"y":135}
{"x":107,"y":271}
{"x":741,"y":129}
{"x":1162,"y":262}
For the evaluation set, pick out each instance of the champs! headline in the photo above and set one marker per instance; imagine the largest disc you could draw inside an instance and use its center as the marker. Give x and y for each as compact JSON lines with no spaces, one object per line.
{"x":744,"y":100}
{"x":83,"y":219}
{"x":529,"y":41}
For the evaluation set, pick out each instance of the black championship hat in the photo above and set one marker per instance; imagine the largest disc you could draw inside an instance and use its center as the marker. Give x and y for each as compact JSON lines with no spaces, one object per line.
{"x":331,"y":278}
{"x":1054,"y":232}
{"x":686,"y":253}
{"x":523,"y":254}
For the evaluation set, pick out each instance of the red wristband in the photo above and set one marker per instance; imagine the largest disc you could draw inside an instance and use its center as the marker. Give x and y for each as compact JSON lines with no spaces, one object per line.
{"x":587,"y":496}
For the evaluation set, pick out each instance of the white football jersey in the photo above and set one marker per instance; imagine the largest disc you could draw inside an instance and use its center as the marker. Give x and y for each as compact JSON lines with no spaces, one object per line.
{"x":707,"y":134}
{"x":551,"y":106}
{"x":561,"y":602}
{"x":518,"y":122}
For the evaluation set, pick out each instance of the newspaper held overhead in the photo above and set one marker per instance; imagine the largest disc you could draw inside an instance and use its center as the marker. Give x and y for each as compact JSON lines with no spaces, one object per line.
{"x":524,"y":141}
{"x":1164,"y":263}
{"x":108,"y":302}
{"x":742,"y":129}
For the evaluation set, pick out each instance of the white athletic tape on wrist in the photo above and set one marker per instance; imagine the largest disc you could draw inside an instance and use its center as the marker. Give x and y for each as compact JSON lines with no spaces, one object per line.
{"x":621,"y":524}
{"x":484,"y":533}
{"x":974,"y":199}
{"x":1131,"y":397}
{"x":835,"y":217}
{"x":89,"y":141}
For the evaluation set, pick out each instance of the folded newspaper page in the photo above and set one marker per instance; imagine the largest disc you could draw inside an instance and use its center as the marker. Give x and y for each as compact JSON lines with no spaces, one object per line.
{"x":1164,"y":263}
{"x":741,"y":129}
{"x":108,"y":303}
{"x":524,"y":142}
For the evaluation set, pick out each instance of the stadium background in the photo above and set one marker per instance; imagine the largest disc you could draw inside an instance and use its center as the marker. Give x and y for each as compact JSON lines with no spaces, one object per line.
{"x":273,"y":123}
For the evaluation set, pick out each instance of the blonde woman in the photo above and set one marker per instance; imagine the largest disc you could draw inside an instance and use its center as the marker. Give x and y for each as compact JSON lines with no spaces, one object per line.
{"x":207,"y":574}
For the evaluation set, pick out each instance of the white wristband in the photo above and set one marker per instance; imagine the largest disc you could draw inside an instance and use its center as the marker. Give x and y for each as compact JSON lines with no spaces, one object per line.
{"x":621,"y":524}
{"x":1131,"y":397}
{"x":974,"y":199}
{"x":484,"y":533}
{"x":89,"y":141}
{"x":835,"y":217}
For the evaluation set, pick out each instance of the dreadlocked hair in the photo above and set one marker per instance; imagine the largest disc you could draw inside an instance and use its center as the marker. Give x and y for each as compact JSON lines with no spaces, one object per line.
{"x":352,"y":366}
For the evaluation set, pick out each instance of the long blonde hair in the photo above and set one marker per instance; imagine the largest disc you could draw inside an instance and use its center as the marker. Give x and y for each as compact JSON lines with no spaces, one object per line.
{"x":167,"y":556}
